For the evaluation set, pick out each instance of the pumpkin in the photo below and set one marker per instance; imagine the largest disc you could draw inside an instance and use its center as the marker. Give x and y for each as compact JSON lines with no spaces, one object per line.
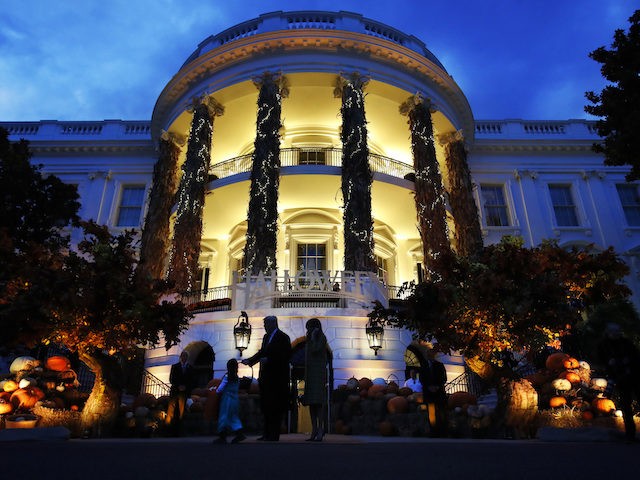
{"x":379,"y":381}
{"x":392,"y":387}
{"x":364,"y":383}
{"x":599,"y":383}
{"x":571,"y":362}
{"x":377,"y":391}
{"x":587,"y":415}
{"x":10,"y":386}
{"x":57,"y":363}
{"x":353,"y":399}
{"x":460,"y":399}
{"x":416,"y":397}
{"x":26,"y":397}
{"x":561,"y":384}
{"x":405,"y":391}
{"x":603,"y":405}
{"x":585,"y":365}
{"x":555,"y":361}
{"x":5,"y":395}
{"x":557,"y":401}
{"x":5,"y":407}
{"x":387,"y":429}
{"x":23,"y":364}
{"x":352,"y":383}
{"x":398,"y":404}
{"x":573,"y":377}
{"x":145,"y":400}
{"x":27,"y":382}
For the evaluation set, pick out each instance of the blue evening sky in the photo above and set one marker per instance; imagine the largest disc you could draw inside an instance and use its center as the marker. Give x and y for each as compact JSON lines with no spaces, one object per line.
{"x":110,"y":59}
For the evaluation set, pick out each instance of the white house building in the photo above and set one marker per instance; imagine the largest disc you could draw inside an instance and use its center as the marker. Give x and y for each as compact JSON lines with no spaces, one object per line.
{"x":536,"y":179}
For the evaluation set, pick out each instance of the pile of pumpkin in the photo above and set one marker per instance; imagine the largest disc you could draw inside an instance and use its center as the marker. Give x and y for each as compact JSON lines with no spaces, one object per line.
{"x":567,"y":383}
{"x":397,"y":400}
{"x":29,"y":384}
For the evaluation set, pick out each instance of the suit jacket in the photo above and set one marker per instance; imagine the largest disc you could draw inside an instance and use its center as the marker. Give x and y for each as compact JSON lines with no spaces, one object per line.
{"x":433,"y":378}
{"x":178,"y":377}
{"x":274,"y":359}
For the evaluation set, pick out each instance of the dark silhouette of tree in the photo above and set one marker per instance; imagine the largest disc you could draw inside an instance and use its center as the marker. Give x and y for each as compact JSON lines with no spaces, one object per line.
{"x":618,"y":104}
{"x":356,"y":176}
{"x":262,"y":217}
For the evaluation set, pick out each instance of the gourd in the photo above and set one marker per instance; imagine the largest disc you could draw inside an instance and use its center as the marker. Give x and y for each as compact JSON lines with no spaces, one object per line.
{"x":557,"y":401}
{"x":398,"y":404}
{"x":57,"y":363}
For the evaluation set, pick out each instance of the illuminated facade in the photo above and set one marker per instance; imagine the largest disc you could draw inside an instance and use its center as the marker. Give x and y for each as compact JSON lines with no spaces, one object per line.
{"x":536,"y":179}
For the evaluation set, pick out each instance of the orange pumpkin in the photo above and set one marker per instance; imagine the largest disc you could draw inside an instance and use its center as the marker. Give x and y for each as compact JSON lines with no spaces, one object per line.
{"x":587,"y":415}
{"x":5,"y":407}
{"x":377,"y":391}
{"x":145,"y":400}
{"x":398,"y":404}
{"x":58,"y":363}
{"x":405,"y":391}
{"x":555,"y":361}
{"x":364,"y":383}
{"x":573,"y":377}
{"x":387,"y":429}
{"x":557,"y":401}
{"x":571,"y":363}
{"x":26,"y":397}
{"x":603,"y":405}
{"x":460,"y":399}
{"x":10,"y":386}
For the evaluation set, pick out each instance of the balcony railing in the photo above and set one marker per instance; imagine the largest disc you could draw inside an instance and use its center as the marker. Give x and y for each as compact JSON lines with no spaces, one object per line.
{"x":299,"y":157}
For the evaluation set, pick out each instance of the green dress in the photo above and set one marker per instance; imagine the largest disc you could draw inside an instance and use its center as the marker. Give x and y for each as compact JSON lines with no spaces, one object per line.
{"x":315,"y":373}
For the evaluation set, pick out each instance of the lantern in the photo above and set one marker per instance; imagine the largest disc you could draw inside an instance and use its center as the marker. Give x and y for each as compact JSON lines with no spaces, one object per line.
{"x":375,"y":334}
{"x":242,"y":332}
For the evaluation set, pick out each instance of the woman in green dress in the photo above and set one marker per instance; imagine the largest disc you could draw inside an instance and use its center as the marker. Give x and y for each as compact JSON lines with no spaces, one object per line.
{"x":315,"y":378}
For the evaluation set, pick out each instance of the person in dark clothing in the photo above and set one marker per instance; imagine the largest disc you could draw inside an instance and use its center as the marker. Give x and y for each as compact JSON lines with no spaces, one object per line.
{"x":621,"y":359}
{"x":433,"y":377}
{"x":273,"y":379}
{"x":181,"y":379}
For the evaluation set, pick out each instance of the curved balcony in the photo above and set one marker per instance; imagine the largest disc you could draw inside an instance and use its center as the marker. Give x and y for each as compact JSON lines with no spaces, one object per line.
{"x":312,"y":156}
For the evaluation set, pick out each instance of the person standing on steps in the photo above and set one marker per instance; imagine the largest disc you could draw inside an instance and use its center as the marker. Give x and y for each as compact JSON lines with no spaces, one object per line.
{"x":273,"y":379}
{"x":315,"y":378}
{"x":433,"y":377}
{"x":181,"y":378}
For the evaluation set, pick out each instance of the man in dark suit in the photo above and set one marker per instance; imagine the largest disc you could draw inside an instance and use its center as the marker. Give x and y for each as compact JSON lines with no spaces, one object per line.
{"x":182,"y":378}
{"x":273,"y":356}
{"x":433,"y":377}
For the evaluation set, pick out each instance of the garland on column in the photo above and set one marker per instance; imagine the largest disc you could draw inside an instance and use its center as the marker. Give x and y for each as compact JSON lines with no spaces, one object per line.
{"x":262,"y":217}
{"x":356,"y":175}
{"x":429,"y":191}
{"x":156,"y":241}
{"x":463,"y":207}
{"x":187,"y":231}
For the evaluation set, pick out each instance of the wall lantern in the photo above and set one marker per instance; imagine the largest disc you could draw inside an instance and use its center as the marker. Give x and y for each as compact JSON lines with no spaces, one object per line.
{"x":242,"y":332}
{"x":375,"y":334}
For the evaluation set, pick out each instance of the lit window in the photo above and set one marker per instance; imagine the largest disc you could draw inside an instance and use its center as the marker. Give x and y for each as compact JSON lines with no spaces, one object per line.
{"x":131,"y":203}
{"x":630,"y":200}
{"x":381,"y":264}
{"x":495,"y":207}
{"x":312,"y":256}
{"x":563,"y":205}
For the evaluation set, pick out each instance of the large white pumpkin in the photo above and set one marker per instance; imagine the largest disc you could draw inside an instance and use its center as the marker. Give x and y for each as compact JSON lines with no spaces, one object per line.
{"x":24,"y":363}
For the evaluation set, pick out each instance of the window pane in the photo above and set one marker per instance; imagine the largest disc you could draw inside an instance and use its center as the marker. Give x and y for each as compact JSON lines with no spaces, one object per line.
{"x":630,"y":200}
{"x":495,"y":207}
{"x":130,"y":210}
{"x":563,"y":205}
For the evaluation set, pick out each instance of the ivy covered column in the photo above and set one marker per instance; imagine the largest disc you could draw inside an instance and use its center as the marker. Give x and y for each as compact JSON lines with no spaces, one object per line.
{"x":156,"y":240}
{"x":429,"y":190}
{"x":187,"y":231}
{"x":356,"y":175}
{"x":468,"y":236}
{"x":262,"y":217}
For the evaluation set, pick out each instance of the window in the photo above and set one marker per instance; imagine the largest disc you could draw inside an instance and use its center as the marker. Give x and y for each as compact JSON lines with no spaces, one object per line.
{"x":381,"y":265}
{"x":312,"y":256}
{"x":495,"y":207}
{"x":131,"y":202}
{"x":311,"y":157}
{"x":563,"y":205}
{"x":630,"y":200}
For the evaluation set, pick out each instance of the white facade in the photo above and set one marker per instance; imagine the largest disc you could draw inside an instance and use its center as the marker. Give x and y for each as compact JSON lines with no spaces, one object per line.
{"x":536,"y":179}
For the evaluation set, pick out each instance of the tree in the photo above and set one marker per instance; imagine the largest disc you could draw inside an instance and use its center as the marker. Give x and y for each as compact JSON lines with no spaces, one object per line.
{"x":509,"y":298}
{"x":618,"y":104}
{"x":34,"y":209}
{"x":102,"y":309}
{"x":88,"y":299}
